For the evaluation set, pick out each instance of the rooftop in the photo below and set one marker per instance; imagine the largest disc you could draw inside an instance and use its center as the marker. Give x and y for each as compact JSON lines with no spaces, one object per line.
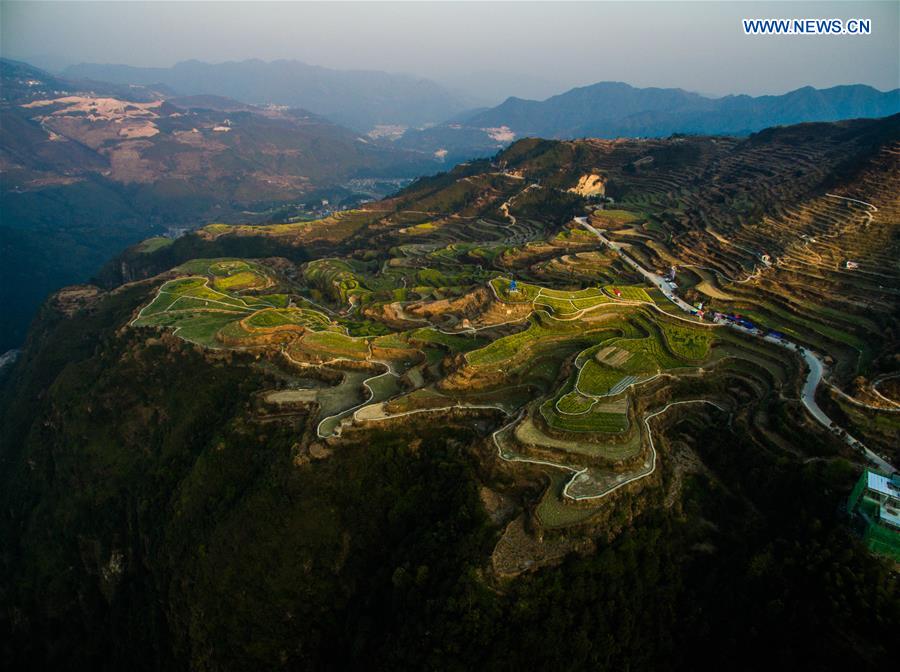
{"x":882,"y":484}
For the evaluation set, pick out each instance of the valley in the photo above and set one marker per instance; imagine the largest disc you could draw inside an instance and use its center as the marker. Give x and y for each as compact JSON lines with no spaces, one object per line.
{"x":90,"y":168}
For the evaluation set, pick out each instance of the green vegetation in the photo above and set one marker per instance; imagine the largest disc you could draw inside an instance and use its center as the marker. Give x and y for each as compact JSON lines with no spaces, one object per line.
{"x":453,"y":342}
{"x":274,"y":317}
{"x":336,"y":280}
{"x":276,"y":300}
{"x":524,"y":292}
{"x":628,"y":293}
{"x":617,"y":216}
{"x":153,"y":244}
{"x":336,"y":227}
{"x":193,"y":292}
{"x":201,"y":314}
{"x":574,"y":403}
{"x":518,"y":345}
{"x":594,"y":421}
{"x":393,"y":341}
{"x":335,"y":344}
{"x":551,"y":510}
{"x":238,"y":281}
{"x":685,"y":342}
{"x":421,"y":228}
{"x":621,"y":362}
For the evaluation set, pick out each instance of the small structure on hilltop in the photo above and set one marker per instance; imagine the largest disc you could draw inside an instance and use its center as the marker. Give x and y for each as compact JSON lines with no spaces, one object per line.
{"x":851,"y":265}
{"x":513,"y":287}
{"x":875,"y":504}
{"x":765,"y":258}
{"x":591,"y":186}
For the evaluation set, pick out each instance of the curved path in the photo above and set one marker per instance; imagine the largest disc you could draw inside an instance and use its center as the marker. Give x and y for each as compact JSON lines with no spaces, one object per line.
{"x":161,"y":291}
{"x":504,"y":207}
{"x":813,"y":361}
{"x":875,"y":389}
{"x":340,"y":415}
{"x":389,"y":371}
{"x":856,"y":200}
{"x":376,"y":414}
{"x":578,"y":473}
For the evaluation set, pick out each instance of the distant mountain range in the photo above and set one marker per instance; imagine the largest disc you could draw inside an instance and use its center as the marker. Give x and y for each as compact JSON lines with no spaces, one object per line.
{"x":360,"y":99}
{"x":614,"y":109}
{"x":438,"y":122}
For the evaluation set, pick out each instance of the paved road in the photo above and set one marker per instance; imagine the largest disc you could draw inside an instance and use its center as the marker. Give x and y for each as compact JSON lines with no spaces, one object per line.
{"x":653,"y":278}
{"x":813,"y":361}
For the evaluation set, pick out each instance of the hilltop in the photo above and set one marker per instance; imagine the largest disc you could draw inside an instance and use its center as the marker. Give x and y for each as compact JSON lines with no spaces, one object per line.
{"x":474,"y":425}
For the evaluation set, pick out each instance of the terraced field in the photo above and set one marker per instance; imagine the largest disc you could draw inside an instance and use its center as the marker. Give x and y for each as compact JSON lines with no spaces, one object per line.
{"x":334,"y":228}
{"x":816,"y":265}
{"x":196,"y":310}
{"x":335,"y":279}
{"x":582,"y":417}
{"x":281,"y":317}
{"x":480,"y":295}
{"x":452,"y":342}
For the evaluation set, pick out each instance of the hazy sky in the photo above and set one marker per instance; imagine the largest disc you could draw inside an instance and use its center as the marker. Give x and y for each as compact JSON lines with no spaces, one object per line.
{"x":495,"y":49}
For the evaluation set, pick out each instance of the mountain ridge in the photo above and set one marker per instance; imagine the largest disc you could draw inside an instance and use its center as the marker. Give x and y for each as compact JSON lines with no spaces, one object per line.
{"x":617,"y":109}
{"x":360,"y":98}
